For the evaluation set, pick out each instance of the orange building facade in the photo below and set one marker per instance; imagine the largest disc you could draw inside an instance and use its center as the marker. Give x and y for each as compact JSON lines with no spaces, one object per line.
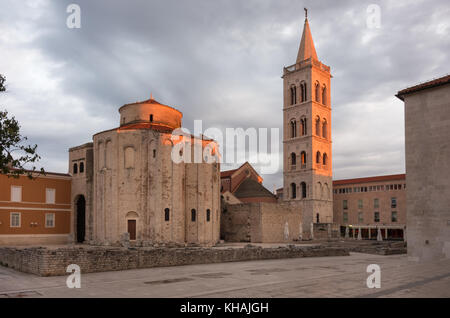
{"x":369,"y":204}
{"x":35,"y":211}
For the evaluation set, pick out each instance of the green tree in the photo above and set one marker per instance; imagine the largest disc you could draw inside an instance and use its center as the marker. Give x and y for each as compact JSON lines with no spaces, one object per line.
{"x":2,"y":83}
{"x":14,"y":154}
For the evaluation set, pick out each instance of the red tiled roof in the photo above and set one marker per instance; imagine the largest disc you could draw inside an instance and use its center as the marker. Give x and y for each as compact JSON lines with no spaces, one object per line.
{"x":436,"y":82}
{"x":228,"y":173}
{"x":150,"y":101}
{"x":370,"y":179}
{"x":143,"y":125}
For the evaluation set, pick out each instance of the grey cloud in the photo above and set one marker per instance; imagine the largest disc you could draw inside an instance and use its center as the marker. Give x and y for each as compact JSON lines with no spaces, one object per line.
{"x":221,"y":61}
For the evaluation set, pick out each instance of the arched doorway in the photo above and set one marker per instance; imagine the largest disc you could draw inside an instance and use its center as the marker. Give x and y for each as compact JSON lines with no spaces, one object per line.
{"x":81,"y":218}
{"x":131,"y":219}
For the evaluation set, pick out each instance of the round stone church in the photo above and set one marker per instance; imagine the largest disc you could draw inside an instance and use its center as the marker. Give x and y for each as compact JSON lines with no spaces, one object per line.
{"x":126,"y":187}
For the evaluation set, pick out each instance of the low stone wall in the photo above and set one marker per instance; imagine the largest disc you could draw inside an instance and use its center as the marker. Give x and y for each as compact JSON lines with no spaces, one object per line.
{"x":380,"y":250}
{"x":371,"y":247}
{"x":53,"y":262}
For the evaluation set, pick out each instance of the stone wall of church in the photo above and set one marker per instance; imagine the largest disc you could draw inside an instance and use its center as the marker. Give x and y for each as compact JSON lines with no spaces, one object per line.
{"x":136,"y":179}
{"x":280,"y":222}
{"x":82,"y":186}
{"x":262,"y":223}
{"x":202,"y":195}
{"x":241,"y":222}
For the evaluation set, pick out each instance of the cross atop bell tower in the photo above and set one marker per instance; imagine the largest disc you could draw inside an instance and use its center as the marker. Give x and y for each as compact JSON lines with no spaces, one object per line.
{"x":307,"y":169}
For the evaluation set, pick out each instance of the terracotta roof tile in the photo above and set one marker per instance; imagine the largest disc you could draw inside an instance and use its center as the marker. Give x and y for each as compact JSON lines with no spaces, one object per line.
{"x":227,"y":173}
{"x":370,"y":179}
{"x":144,"y":125}
{"x":436,"y":82}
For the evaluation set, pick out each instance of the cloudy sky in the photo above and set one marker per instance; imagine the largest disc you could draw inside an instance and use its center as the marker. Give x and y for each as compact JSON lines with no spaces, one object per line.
{"x":219,"y":61}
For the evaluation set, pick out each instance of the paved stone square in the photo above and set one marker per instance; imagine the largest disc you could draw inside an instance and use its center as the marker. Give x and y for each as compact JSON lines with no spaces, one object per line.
{"x":301,"y":277}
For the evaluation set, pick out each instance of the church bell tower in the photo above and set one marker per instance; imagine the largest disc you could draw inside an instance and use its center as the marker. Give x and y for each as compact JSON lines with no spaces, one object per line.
{"x":307,"y":169}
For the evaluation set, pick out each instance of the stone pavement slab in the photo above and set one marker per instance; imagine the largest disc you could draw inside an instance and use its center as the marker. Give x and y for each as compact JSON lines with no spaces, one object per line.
{"x":303,"y":277}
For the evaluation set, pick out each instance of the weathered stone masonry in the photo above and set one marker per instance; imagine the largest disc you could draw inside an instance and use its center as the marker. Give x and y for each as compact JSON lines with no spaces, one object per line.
{"x":132,"y":185}
{"x":53,"y":262}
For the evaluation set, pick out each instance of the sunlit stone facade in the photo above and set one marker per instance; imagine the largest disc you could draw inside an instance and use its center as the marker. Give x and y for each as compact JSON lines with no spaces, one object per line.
{"x":132,"y":188}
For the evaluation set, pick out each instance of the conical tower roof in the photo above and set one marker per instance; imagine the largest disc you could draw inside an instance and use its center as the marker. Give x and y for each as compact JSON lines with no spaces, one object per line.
{"x":307,"y":48}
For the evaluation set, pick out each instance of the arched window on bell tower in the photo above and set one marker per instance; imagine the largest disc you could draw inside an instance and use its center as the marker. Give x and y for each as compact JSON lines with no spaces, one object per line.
{"x":318,"y":128}
{"x":303,"y":159}
{"x":303,"y":186}
{"x":303,"y":91}
{"x":303,"y":130}
{"x":325,"y":159}
{"x":293,"y":160}
{"x":293,"y":191}
{"x":293,"y":95}
{"x":318,"y":157}
{"x":293,"y":128}
{"x":324,"y":95}
{"x":325,"y":129}
{"x":317,"y":90}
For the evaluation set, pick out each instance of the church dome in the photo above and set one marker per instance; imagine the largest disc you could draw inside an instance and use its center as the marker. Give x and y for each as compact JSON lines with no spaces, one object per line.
{"x":150,"y":114}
